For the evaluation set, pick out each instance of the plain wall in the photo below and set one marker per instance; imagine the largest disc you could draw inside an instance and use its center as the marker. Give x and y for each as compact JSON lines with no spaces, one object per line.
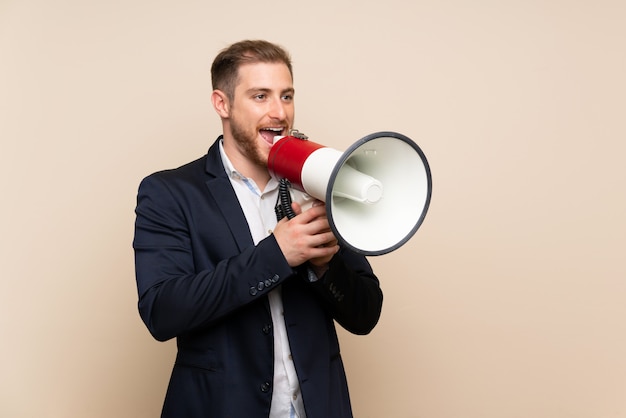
{"x":508,"y":302}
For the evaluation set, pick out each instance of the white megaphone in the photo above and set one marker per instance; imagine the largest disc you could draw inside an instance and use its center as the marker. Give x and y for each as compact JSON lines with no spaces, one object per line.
{"x":377,"y":193}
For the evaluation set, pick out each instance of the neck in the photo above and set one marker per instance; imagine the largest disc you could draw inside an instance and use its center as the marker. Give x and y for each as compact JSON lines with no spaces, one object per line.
{"x":245,"y":166}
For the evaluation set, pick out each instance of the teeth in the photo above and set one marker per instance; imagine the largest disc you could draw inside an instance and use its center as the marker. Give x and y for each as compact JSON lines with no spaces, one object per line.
{"x":273,"y":129}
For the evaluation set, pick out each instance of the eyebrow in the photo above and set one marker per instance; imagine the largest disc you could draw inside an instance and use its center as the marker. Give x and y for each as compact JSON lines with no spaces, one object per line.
{"x":266,"y":90}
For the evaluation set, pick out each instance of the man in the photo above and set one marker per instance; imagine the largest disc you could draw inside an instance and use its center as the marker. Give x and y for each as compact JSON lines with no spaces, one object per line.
{"x":251,"y":301}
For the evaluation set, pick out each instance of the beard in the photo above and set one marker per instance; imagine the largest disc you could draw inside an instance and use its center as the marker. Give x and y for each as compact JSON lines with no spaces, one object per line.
{"x":247,"y":141}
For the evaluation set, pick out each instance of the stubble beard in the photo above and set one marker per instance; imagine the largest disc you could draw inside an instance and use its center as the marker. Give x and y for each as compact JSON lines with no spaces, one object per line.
{"x":248,"y":143}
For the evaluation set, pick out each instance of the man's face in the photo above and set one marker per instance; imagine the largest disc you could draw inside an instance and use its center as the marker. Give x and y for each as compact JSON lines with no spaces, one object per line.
{"x":262,"y":107}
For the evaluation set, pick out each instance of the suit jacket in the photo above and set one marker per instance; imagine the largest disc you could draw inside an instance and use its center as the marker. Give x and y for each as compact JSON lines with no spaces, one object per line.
{"x":201,"y":280}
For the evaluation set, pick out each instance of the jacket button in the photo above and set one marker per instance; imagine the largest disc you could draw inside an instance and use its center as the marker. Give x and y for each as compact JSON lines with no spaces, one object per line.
{"x":275,"y":278}
{"x":260,"y":286}
{"x":267,"y":328}
{"x":268,"y":283}
{"x":265,"y":387}
{"x":253,"y":291}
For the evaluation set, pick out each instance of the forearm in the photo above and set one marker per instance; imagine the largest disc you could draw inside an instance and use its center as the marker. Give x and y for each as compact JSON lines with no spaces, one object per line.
{"x":179,"y":302}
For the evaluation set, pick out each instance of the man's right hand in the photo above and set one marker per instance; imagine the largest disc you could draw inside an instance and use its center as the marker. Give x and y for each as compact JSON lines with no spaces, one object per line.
{"x":306,"y":237}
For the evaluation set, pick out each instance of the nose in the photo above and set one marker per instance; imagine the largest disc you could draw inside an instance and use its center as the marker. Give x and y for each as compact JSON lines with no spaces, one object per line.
{"x":277,"y":110}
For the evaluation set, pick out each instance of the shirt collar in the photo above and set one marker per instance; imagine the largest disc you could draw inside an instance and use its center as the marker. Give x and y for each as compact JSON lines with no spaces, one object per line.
{"x":228,"y":166}
{"x":232,"y":172}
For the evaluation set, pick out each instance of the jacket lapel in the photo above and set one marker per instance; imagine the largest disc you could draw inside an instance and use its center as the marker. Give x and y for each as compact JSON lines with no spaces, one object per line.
{"x":221,"y":190}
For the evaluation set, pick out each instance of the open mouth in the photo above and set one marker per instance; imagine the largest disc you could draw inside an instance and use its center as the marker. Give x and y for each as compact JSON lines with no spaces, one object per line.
{"x":269,"y":133}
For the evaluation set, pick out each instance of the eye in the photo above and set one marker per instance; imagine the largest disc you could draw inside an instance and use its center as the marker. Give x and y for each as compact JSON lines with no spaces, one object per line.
{"x":287,"y":97}
{"x":260,"y":96}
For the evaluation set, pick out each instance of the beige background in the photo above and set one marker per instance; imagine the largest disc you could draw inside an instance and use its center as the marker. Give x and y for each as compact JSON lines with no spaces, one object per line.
{"x":508,"y":302}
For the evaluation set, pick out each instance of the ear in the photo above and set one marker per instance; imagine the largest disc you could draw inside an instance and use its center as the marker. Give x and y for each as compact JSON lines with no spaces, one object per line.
{"x":220,"y":103}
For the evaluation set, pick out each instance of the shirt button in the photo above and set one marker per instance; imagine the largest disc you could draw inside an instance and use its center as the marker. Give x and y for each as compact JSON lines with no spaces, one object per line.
{"x":269,"y":231}
{"x":295,"y":397}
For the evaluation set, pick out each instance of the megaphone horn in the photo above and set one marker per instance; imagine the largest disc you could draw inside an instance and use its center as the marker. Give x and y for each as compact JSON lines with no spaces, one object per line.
{"x":377,"y":192}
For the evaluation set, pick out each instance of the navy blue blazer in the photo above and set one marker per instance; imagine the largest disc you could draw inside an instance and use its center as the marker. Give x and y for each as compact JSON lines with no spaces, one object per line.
{"x":201,"y":280}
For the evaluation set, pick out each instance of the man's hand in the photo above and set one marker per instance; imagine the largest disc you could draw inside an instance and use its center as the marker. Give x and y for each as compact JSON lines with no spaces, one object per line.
{"x":307,"y":237}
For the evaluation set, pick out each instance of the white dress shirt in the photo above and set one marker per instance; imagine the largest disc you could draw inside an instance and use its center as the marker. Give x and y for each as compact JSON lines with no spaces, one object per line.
{"x":258,"y":208}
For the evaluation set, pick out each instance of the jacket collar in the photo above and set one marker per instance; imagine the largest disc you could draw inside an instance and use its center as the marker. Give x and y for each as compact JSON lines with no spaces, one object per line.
{"x":219,"y":187}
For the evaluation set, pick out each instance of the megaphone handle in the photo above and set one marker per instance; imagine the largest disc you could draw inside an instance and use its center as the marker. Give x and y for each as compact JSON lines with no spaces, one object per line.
{"x":283,"y":202}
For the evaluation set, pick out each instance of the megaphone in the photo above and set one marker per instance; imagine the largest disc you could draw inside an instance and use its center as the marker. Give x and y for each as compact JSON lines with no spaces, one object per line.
{"x":377,"y":192}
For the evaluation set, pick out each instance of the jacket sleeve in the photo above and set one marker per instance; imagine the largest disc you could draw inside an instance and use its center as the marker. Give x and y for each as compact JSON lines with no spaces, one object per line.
{"x":352,"y":292}
{"x":189,"y":276}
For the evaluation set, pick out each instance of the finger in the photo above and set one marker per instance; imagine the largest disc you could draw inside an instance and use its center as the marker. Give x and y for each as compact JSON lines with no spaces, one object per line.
{"x":323,"y":254}
{"x":296,"y":208}
{"x":312,"y":213}
{"x":316,"y":227}
{"x":326,"y":239}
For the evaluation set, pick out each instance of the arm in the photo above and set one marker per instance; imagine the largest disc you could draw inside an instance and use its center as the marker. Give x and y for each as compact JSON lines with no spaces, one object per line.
{"x":189,"y":270}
